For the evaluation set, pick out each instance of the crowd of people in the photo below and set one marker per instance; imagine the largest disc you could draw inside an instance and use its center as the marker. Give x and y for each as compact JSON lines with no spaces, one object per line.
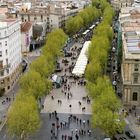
{"x":76,"y":127}
{"x":82,"y":127}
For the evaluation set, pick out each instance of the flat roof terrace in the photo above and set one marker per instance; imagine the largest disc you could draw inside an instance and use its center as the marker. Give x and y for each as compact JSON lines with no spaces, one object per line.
{"x":132,"y":42}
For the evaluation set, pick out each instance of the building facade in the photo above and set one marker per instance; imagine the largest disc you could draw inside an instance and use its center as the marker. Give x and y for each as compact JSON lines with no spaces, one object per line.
{"x":10,"y":52}
{"x":26,"y":36}
{"x":131,"y":64}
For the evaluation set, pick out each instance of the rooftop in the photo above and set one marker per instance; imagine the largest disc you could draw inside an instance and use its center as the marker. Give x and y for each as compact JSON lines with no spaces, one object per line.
{"x":4,"y":22}
{"x":131,"y":40}
{"x":25,"y":27}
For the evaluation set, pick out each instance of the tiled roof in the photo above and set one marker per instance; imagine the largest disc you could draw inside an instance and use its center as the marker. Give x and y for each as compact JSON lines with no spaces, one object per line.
{"x":25,"y":27}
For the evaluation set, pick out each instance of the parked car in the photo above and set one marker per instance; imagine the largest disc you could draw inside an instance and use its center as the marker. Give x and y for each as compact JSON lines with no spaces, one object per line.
{"x":58,"y":70}
{"x":65,"y":61}
{"x":130,"y":134}
{"x":122,"y":138}
{"x":107,"y":139}
{"x":68,"y":54}
{"x":24,"y":65}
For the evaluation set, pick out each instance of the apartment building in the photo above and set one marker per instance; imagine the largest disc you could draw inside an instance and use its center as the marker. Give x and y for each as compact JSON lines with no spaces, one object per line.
{"x":118,"y":4}
{"x":50,"y":15}
{"x":26,"y":36}
{"x":10,"y":52}
{"x":130,"y":69}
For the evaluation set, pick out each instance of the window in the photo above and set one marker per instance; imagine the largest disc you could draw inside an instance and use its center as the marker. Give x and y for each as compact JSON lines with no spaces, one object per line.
{"x":2,"y":73}
{"x":5,"y":43}
{"x":22,"y":18}
{"x":41,"y":17}
{"x":5,"y":33}
{"x":6,"y":51}
{"x":1,"y":64}
{"x":135,"y":79}
{"x":6,"y":61}
{"x":136,"y":67}
{"x":7,"y":70}
{"x":135,"y":96}
{"x":0,"y":53}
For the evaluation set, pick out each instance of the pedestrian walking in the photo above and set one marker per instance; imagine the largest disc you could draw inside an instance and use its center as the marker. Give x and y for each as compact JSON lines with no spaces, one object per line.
{"x":62,"y":137}
{"x":65,"y":137}
{"x":83,"y":109}
{"x":52,"y":97}
{"x":87,"y":122}
{"x":84,"y":122}
{"x":80,"y":121}
{"x":68,"y":96}
{"x":77,"y":120}
{"x":77,"y":137}
{"x":61,"y":125}
{"x":50,"y":114}
{"x":79,"y":103}
{"x":72,"y":132}
{"x":58,"y":101}
{"x":70,"y":106}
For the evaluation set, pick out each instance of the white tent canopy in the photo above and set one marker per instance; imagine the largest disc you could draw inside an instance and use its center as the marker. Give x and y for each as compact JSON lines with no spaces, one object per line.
{"x":82,"y":60}
{"x":92,"y":26}
{"x":86,"y":32}
{"x":54,"y":78}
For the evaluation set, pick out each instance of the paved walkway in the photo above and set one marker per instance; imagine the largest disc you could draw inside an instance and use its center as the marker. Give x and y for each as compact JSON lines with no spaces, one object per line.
{"x":132,"y":122}
{"x":4,"y":104}
{"x":77,"y":91}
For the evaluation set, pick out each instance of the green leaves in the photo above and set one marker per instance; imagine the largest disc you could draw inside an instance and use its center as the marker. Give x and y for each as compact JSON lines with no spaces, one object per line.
{"x":33,"y":83}
{"x":106,"y":120}
{"x":23,"y":115}
{"x":106,"y":105}
{"x":82,"y":20}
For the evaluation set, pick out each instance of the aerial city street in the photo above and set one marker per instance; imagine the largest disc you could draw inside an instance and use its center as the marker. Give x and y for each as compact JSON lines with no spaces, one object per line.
{"x":70,"y":70}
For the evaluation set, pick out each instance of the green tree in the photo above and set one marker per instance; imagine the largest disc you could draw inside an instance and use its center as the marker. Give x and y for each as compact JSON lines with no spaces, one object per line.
{"x":70,"y":29}
{"x":55,"y":42}
{"x":108,"y":121}
{"x":23,"y":116}
{"x":93,"y":71}
{"x":74,"y":24}
{"x":96,"y":89}
{"x":109,"y":99}
{"x":32,"y":82}
{"x":42,"y":66}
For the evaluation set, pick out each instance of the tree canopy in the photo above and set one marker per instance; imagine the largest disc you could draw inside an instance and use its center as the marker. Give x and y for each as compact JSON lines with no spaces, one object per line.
{"x":23,"y":116}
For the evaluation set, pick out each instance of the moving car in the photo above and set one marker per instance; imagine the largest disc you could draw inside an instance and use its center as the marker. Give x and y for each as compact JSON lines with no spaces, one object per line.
{"x":130,"y":134}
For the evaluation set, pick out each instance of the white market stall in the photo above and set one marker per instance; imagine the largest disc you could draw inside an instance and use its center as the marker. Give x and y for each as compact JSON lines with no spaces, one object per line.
{"x":82,"y":60}
{"x":92,"y":27}
{"x":86,"y":32}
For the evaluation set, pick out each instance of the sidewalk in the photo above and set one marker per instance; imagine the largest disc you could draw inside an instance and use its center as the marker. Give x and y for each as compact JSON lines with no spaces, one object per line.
{"x":77,"y":91}
{"x":4,"y":103}
{"x":131,"y":121}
